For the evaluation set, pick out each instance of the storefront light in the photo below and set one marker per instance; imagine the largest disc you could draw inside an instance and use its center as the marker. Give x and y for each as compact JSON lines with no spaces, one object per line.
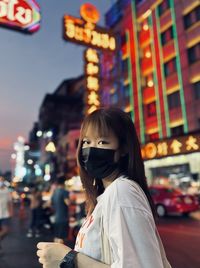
{"x":26,"y":147}
{"x":38,"y":171}
{"x":50,"y":147}
{"x":148,"y":54}
{"x":39,"y":133}
{"x":49,"y":134}
{"x":47,"y":177}
{"x":30,"y":161}
{"x":20,"y":139}
{"x":150,"y":83}
{"x":145,"y":27}
{"x":13,"y":156}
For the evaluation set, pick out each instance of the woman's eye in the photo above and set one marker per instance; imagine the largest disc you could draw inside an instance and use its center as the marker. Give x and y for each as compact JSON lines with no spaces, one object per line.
{"x":102,"y":142}
{"x":85,"y":142}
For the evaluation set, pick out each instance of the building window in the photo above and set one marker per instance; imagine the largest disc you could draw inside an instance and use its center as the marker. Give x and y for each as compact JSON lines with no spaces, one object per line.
{"x":187,"y":20}
{"x":163,"y":7}
{"x":151,"y":109}
{"x":170,"y":67}
{"x":167,"y":36}
{"x":191,"y":17}
{"x":148,"y":80}
{"x":197,"y":12}
{"x":126,"y":91}
{"x":139,"y":1}
{"x":123,"y":40}
{"x":174,"y":100}
{"x":114,"y":98}
{"x":196,"y":87}
{"x":67,"y":147}
{"x":176,"y":131}
{"x":194,"y":53}
{"x":125,"y":66}
{"x":153,"y":136}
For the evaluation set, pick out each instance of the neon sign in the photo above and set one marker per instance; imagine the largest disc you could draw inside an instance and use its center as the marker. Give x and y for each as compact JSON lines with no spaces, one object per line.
{"x":164,"y":148}
{"x":92,"y":79}
{"x":84,"y":31}
{"x":89,"y":13}
{"x":21,"y":15}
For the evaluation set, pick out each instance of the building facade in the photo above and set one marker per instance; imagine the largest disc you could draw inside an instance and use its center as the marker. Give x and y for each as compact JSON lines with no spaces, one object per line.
{"x":60,"y":113}
{"x":154,"y":75}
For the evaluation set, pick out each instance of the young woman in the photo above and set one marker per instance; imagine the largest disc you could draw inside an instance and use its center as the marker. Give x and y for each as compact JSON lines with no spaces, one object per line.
{"x":119,"y":231}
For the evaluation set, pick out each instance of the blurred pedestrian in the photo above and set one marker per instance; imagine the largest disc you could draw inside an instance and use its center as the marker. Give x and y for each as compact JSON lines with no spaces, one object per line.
{"x":119,"y":231}
{"x":6,"y":209}
{"x":36,"y":212}
{"x":60,"y":203}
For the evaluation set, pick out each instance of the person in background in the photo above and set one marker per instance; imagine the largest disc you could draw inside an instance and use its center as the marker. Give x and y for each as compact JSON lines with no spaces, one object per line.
{"x":60,"y":203}
{"x":119,"y":230}
{"x":6,"y":209}
{"x":36,"y":212}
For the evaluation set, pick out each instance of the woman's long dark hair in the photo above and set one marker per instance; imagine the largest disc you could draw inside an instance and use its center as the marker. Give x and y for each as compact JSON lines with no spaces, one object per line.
{"x":103,"y":121}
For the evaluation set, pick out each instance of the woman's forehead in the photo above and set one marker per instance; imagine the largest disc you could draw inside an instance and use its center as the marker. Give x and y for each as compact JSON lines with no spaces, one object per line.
{"x":96,"y":131}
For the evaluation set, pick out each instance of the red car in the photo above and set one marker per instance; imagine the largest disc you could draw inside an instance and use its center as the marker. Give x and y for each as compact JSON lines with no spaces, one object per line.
{"x":169,"y":200}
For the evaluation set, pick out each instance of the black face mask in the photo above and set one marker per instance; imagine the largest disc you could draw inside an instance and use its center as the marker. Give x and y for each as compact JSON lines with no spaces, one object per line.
{"x":98,"y":162}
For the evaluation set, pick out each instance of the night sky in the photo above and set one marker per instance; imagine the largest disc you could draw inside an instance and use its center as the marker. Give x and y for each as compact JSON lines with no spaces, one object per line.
{"x":33,"y":65}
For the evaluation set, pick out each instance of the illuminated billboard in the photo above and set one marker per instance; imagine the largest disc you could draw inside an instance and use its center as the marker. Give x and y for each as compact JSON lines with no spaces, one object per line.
{"x":84,"y":30}
{"x":170,"y":147}
{"x":92,"y":79}
{"x":23,"y":15}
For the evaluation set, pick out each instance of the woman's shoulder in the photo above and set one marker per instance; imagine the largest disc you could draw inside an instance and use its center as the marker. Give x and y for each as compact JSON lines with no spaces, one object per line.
{"x":125,"y":182}
{"x":127,"y":193}
{"x":125,"y":185}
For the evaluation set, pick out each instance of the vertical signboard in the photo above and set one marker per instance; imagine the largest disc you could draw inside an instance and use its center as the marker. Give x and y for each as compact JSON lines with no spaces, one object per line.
{"x":84,"y":31}
{"x":92,"y":79}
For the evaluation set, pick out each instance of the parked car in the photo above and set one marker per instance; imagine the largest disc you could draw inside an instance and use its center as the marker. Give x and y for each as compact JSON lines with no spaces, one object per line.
{"x":170,"y":201}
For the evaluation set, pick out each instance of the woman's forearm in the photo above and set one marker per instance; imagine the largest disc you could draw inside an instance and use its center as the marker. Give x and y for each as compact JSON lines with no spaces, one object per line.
{"x":83,"y":261}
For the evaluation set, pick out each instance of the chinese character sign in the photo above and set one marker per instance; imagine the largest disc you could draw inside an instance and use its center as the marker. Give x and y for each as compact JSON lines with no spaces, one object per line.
{"x":84,"y":30}
{"x":77,"y":31}
{"x":179,"y":145}
{"x":20,"y":14}
{"x":92,"y":79}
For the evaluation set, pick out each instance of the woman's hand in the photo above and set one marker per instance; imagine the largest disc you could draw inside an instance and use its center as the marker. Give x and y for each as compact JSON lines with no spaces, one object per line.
{"x":51,"y":254}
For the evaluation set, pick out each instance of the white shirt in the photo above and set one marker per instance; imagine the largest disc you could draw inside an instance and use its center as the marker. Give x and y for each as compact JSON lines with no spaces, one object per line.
{"x":5,"y":198}
{"x":128,"y":224}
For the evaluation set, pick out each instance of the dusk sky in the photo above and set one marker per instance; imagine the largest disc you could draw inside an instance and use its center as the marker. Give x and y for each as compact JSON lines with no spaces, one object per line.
{"x":33,"y":65}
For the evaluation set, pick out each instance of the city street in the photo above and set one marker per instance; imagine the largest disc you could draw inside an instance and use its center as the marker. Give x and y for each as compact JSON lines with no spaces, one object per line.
{"x":17,"y":250}
{"x":181,"y":238}
{"x":97,"y":94}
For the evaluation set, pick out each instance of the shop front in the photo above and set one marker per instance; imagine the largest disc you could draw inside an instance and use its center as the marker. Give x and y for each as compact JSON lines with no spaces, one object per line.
{"x":174,"y":161}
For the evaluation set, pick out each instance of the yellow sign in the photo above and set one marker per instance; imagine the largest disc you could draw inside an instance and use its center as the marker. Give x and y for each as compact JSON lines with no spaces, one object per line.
{"x":92,"y":79}
{"x":89,"y":13}
{"x":178,"y":145}
{"x":78,"y":31}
